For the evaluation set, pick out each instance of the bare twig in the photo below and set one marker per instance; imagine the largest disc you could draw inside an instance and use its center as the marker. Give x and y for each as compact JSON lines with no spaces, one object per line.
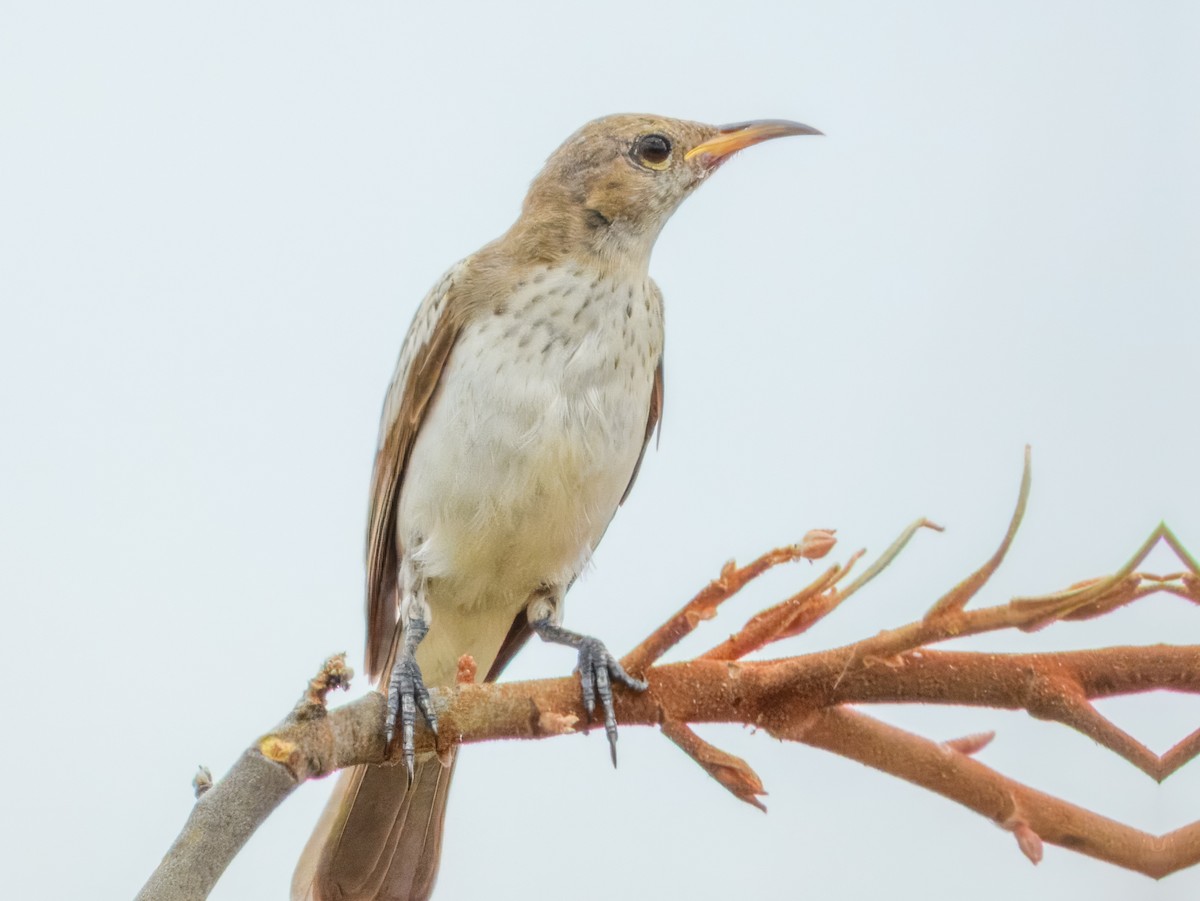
{"x":815,"y":544}
{"x":228,"y":813}
{"x":1005,"y":801}
{"x":732,"y":772}
{"x":960,"y":595}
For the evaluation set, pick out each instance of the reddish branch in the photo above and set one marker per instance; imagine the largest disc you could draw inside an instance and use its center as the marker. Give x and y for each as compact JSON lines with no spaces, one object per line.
{"x":801,"y":699}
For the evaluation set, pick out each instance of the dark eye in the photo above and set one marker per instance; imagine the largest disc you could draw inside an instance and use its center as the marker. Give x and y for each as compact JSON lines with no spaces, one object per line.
{"x":652,"y":150}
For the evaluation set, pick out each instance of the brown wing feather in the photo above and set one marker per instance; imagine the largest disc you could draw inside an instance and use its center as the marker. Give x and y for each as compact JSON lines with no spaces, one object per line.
{"x":423,"y":357}
{"x":656,"y":405}
{"x":518,"y":633}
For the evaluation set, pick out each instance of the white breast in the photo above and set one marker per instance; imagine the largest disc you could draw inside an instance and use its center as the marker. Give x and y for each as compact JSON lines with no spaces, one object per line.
{"x":531,"y":440}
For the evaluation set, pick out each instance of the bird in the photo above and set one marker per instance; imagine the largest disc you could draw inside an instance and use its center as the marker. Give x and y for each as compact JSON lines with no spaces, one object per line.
{"x":526,"y":391}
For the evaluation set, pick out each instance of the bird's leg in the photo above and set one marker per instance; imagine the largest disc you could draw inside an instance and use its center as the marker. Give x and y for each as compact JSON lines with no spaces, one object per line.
{"x":406,"y":688}
{"x":597,"y":666}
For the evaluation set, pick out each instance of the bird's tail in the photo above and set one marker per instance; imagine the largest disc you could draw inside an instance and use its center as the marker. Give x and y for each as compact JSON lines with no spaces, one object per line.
{"x":379,"y":838}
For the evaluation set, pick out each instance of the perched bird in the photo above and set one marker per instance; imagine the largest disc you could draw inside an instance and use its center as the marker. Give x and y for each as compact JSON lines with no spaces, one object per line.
{"x":527,"y":389}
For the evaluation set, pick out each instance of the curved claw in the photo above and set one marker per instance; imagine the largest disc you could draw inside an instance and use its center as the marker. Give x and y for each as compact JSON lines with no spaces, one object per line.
{"x":597,"y":670}
{"x":407,"y":694}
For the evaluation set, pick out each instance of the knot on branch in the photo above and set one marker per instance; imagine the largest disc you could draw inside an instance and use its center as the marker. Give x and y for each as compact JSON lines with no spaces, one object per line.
{"x":334,"y":674}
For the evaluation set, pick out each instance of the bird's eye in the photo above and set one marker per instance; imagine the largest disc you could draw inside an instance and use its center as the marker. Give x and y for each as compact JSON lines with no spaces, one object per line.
{"x":653,"y":151}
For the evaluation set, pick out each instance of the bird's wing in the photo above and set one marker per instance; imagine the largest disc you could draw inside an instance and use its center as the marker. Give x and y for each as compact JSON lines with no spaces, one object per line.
{"x":423,"y":356}
{"x":656,"y":405}
{"x":652,"y":420}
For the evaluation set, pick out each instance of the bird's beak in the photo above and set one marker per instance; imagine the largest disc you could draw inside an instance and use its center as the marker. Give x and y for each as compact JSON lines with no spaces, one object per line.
{"x":729,"y":139}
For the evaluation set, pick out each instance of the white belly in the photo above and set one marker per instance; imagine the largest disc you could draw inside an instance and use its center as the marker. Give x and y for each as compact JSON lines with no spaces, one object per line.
{"x":529,"y":445}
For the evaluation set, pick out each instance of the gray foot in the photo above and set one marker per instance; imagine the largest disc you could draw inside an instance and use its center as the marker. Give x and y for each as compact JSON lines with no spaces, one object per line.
{"x":407,"y":693}
{"x":597,"y":670}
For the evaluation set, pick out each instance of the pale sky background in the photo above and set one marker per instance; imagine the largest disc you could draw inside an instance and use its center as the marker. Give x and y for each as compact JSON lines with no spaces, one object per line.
{"x":216,"y":221}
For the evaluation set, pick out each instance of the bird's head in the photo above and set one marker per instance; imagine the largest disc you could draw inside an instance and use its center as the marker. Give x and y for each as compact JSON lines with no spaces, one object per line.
{"x":606,"y":193}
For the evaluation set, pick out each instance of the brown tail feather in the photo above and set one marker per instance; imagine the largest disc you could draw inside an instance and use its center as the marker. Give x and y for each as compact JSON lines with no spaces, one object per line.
{"x":378,"y":839}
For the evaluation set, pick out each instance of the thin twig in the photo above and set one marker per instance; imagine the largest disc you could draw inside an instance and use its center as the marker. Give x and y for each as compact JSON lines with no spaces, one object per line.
{"x":815,"y":544}
{"x":960,"y":595}
{"x":732,"y":772}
